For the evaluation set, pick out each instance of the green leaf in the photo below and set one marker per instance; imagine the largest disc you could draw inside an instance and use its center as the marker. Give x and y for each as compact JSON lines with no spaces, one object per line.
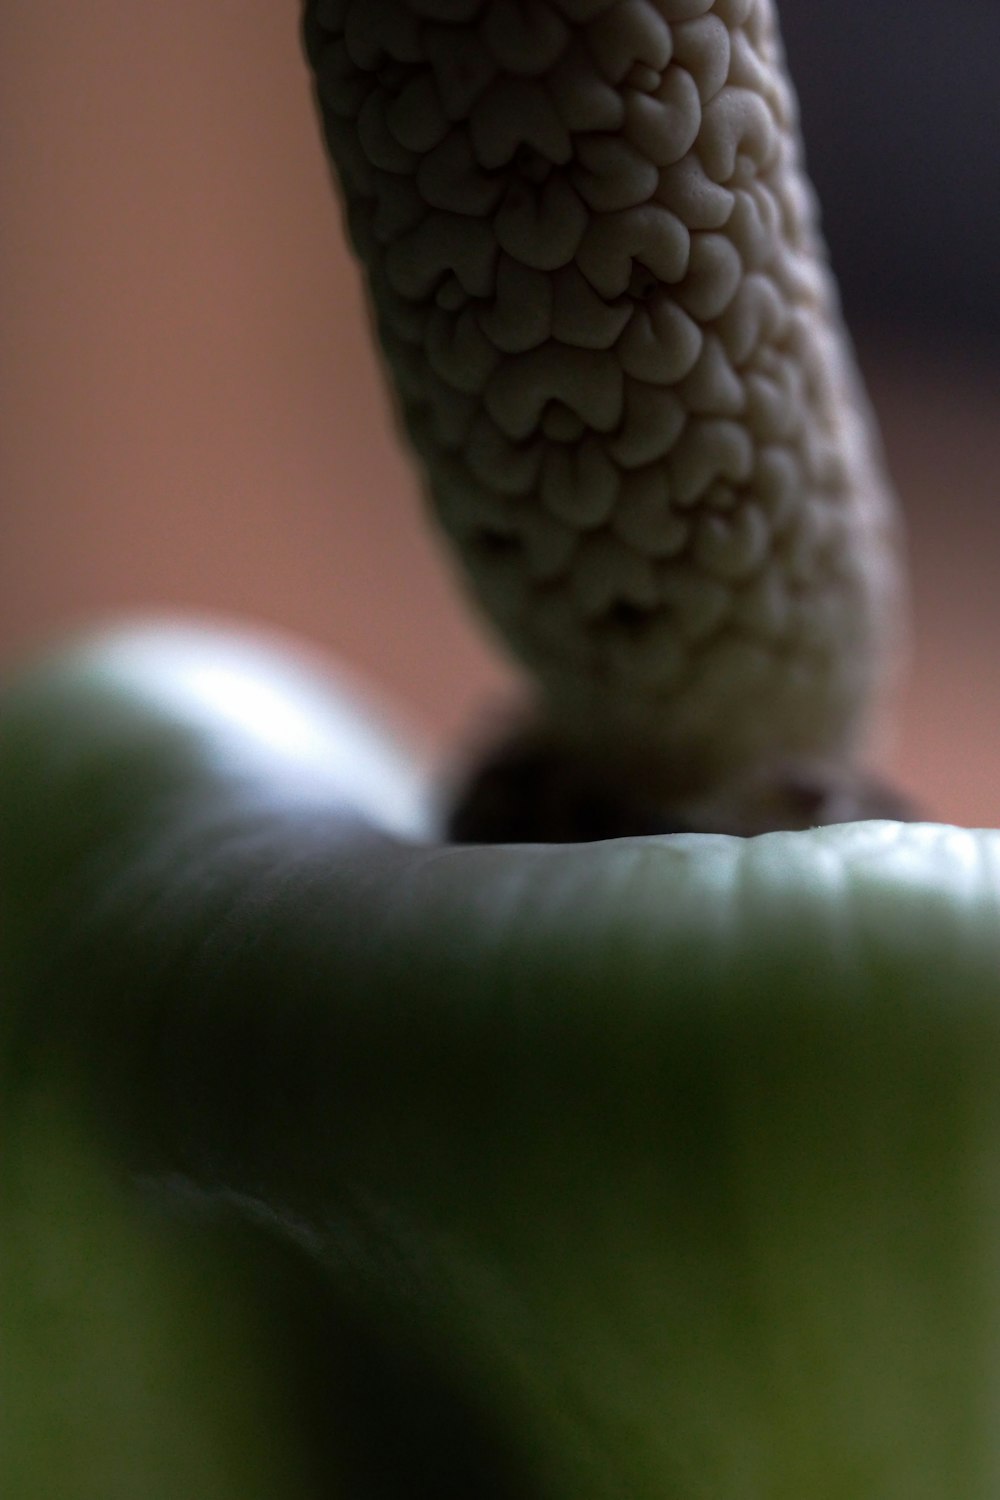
{"x":136,"y":1359}
{"x":668,"y":1165}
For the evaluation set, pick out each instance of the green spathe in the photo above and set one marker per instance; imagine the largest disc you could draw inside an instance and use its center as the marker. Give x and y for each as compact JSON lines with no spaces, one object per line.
{"x":672,"y":1163}
{"x":138,"y":1355}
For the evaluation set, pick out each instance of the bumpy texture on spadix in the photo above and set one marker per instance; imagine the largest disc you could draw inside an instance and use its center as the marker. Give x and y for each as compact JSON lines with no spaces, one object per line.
{"x":598,"y":282}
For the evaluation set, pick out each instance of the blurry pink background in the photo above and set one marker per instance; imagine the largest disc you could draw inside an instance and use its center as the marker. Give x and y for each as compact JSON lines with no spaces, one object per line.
{"x":192,"y":415}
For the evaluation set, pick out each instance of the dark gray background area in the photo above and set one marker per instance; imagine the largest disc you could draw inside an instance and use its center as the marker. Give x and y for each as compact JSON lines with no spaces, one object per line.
{"x":901,"y":111}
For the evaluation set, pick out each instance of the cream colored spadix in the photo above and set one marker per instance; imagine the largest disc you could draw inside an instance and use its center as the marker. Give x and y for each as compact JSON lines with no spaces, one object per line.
{"x":598,"y":281}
